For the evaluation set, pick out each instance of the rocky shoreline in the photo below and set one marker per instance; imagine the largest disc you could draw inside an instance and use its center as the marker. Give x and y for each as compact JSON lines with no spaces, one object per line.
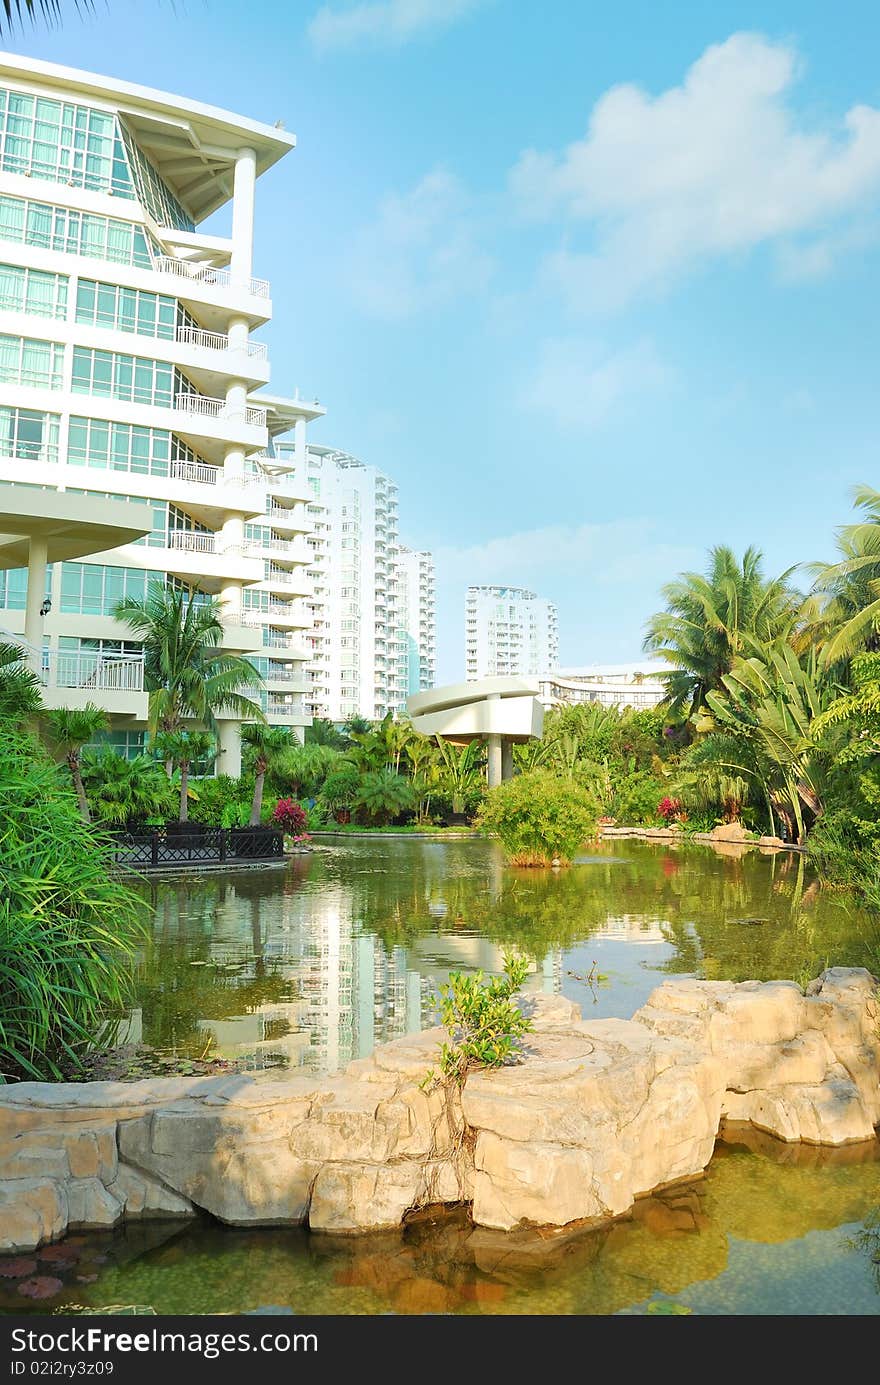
{"x":598,"y":1113}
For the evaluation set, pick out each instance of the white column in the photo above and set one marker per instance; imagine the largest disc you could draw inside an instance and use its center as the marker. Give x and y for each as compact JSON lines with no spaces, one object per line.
{"x":299,"y":443}
{"x":506,"y":759}
{"x":238,"y":334}
{"x":38,"y":551}
{"x":493,"y":744}
{"x":229,"y":747}
{"x":244,"y":182}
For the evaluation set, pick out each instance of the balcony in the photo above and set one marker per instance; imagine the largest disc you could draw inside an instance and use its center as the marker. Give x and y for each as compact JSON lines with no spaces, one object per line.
{"x":74,"y":679}
{"x":208,"y":275}
{"x":204,"y":406}
{"x":218,"y":341}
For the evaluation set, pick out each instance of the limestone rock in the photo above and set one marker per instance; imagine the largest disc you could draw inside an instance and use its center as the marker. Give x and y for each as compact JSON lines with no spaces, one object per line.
{"x":32,"y":1211}
{"x":91,"y":1205}
{"x":143,"y":1196}
{"x":350,"y":1197}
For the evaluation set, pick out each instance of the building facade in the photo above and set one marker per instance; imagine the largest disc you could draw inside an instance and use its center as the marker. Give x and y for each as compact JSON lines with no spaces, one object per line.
{"x":509,"y":631}
{"x":611,"y":685}
{"x":130,"y":369}
{"x":417,"y":628}
{"x":366,"y":633}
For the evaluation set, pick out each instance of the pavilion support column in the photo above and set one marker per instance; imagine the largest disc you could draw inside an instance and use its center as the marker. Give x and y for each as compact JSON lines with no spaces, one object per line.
{"x":506,"y":758}
{"x":38,"y":552}
{"x":494,"y":762}
{"x":229,"y":748}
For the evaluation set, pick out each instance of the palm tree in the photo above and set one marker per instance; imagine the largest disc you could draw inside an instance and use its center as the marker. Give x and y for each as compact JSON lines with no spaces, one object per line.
{"x":69,"y":730}
{"x":712,"y":618}
{"x":183,"y":748}
{"x":267,"y":743}
{"x":20,"y":696}
{"x":844,"y":614}
{"x":187,"y":675}
{"x":125,"y":791}
{"x":14,"y":10}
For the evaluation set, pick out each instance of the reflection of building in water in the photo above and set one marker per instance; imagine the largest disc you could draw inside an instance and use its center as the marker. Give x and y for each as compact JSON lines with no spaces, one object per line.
{"x":632,"y":928}
{"x":307,"y":982}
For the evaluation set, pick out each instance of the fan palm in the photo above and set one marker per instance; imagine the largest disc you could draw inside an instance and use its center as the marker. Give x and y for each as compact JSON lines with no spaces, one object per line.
{"x":187,"y":675}
{"x":20,"y":696}
{"x":383,"y":795}
{"x":268,"y":743}
{"x":125,"y":791}
{"x":69,"y":729}
{"x":712,"y":618}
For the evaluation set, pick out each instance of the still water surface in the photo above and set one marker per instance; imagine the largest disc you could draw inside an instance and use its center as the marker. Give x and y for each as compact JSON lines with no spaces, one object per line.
{"x":314,"y":963}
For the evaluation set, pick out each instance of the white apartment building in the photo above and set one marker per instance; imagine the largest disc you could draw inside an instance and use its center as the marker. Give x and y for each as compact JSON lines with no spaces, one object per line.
{"x":611,"y":685}
{"x":509,"y":631}
{"x":417,"y":616}
{"x":359,"y":643}
{"x":129,"y":369}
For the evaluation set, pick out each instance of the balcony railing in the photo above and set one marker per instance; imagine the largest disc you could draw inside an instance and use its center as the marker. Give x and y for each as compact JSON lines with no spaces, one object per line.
{"x":277,"y":707}
{"x":200,"y":473}
{"x":207,"y":407}
{"x":207,"y":274}
{"x":218,"y":341}
{"x":78,"y":670}
{"x":192,"y":541}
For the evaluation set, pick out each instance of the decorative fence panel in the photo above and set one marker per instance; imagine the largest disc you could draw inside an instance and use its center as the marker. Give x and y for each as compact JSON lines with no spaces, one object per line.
{"x":177,"y":846}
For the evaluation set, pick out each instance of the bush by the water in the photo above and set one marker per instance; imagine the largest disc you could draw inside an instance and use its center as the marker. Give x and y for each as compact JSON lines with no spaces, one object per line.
{"x":540,"y":818}
{"x":68,"y":927}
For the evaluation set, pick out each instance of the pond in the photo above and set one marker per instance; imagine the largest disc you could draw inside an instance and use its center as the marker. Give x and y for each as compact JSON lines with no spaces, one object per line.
{"x":311,"y":964}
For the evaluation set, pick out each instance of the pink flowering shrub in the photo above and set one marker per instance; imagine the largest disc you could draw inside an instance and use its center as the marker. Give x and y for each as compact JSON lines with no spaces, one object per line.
{"x":291,"y":818}
{"x":670,"y":809}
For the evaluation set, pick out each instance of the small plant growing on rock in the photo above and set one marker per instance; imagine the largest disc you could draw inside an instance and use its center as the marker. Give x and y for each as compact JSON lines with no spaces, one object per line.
{"x":482,"y":1019}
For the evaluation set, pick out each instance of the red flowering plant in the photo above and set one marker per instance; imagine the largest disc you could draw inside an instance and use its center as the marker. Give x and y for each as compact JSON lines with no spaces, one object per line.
{"x":291,"y":818}
{"x":670,"y":810}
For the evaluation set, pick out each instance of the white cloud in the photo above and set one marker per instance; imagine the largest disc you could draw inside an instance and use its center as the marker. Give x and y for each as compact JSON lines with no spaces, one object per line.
{"x":385,"y":23}
{"x":710,"y":168}
{"x":420,"y":252}
{"x":578,"y":383}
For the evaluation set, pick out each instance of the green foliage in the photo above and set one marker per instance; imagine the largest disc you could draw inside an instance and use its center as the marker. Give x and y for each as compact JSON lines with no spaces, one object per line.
{"x":714,"y":618}
{"x":460,"y":772}
{"x":20,"y":694}
{"x":383,"y":795}
{"x":341,"y":788}
{"x":221,"y":801}
{"x":484,"y":1023}
{"x":68,"y":926}
{"x":636,"y":796}
{"x":125,"y":793}
{"x":186,"y":672}
{"x":539,"y":818}
{"x":323,"y":732}
{"x":68,"y":730}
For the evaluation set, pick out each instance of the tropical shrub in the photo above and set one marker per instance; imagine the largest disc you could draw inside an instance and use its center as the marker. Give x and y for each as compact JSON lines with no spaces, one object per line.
{"x":68,"y":926}
{"x":636,"y":796}
{"x":484,"y":1023}
{"x":341,"y":787}
{"x":383,"y":795}
{"x":127,"y":793}
{"x":670,"y":809}
{"x":290,"y":817}
{"x":220,"y":801}
{"x":539,"y":818}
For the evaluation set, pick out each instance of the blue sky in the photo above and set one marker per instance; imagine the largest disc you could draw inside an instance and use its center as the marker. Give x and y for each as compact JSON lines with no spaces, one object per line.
{"x":596,"y":284}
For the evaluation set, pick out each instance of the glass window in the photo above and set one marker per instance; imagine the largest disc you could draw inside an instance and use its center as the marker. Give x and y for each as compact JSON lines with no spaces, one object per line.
{"x":92,"y":589}
{"x":29,"y":434}
{"x":135,"y":378}
{"x":75,"y":233}
{"x":27,"y":361}
{"x":63,"y":143}
{"x":127,"y":310}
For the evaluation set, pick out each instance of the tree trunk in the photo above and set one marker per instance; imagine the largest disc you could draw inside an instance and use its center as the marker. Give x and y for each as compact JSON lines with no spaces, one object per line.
{"x":257,"y":804}
{"x":73,"y":762}
{"x":184,"y":791}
